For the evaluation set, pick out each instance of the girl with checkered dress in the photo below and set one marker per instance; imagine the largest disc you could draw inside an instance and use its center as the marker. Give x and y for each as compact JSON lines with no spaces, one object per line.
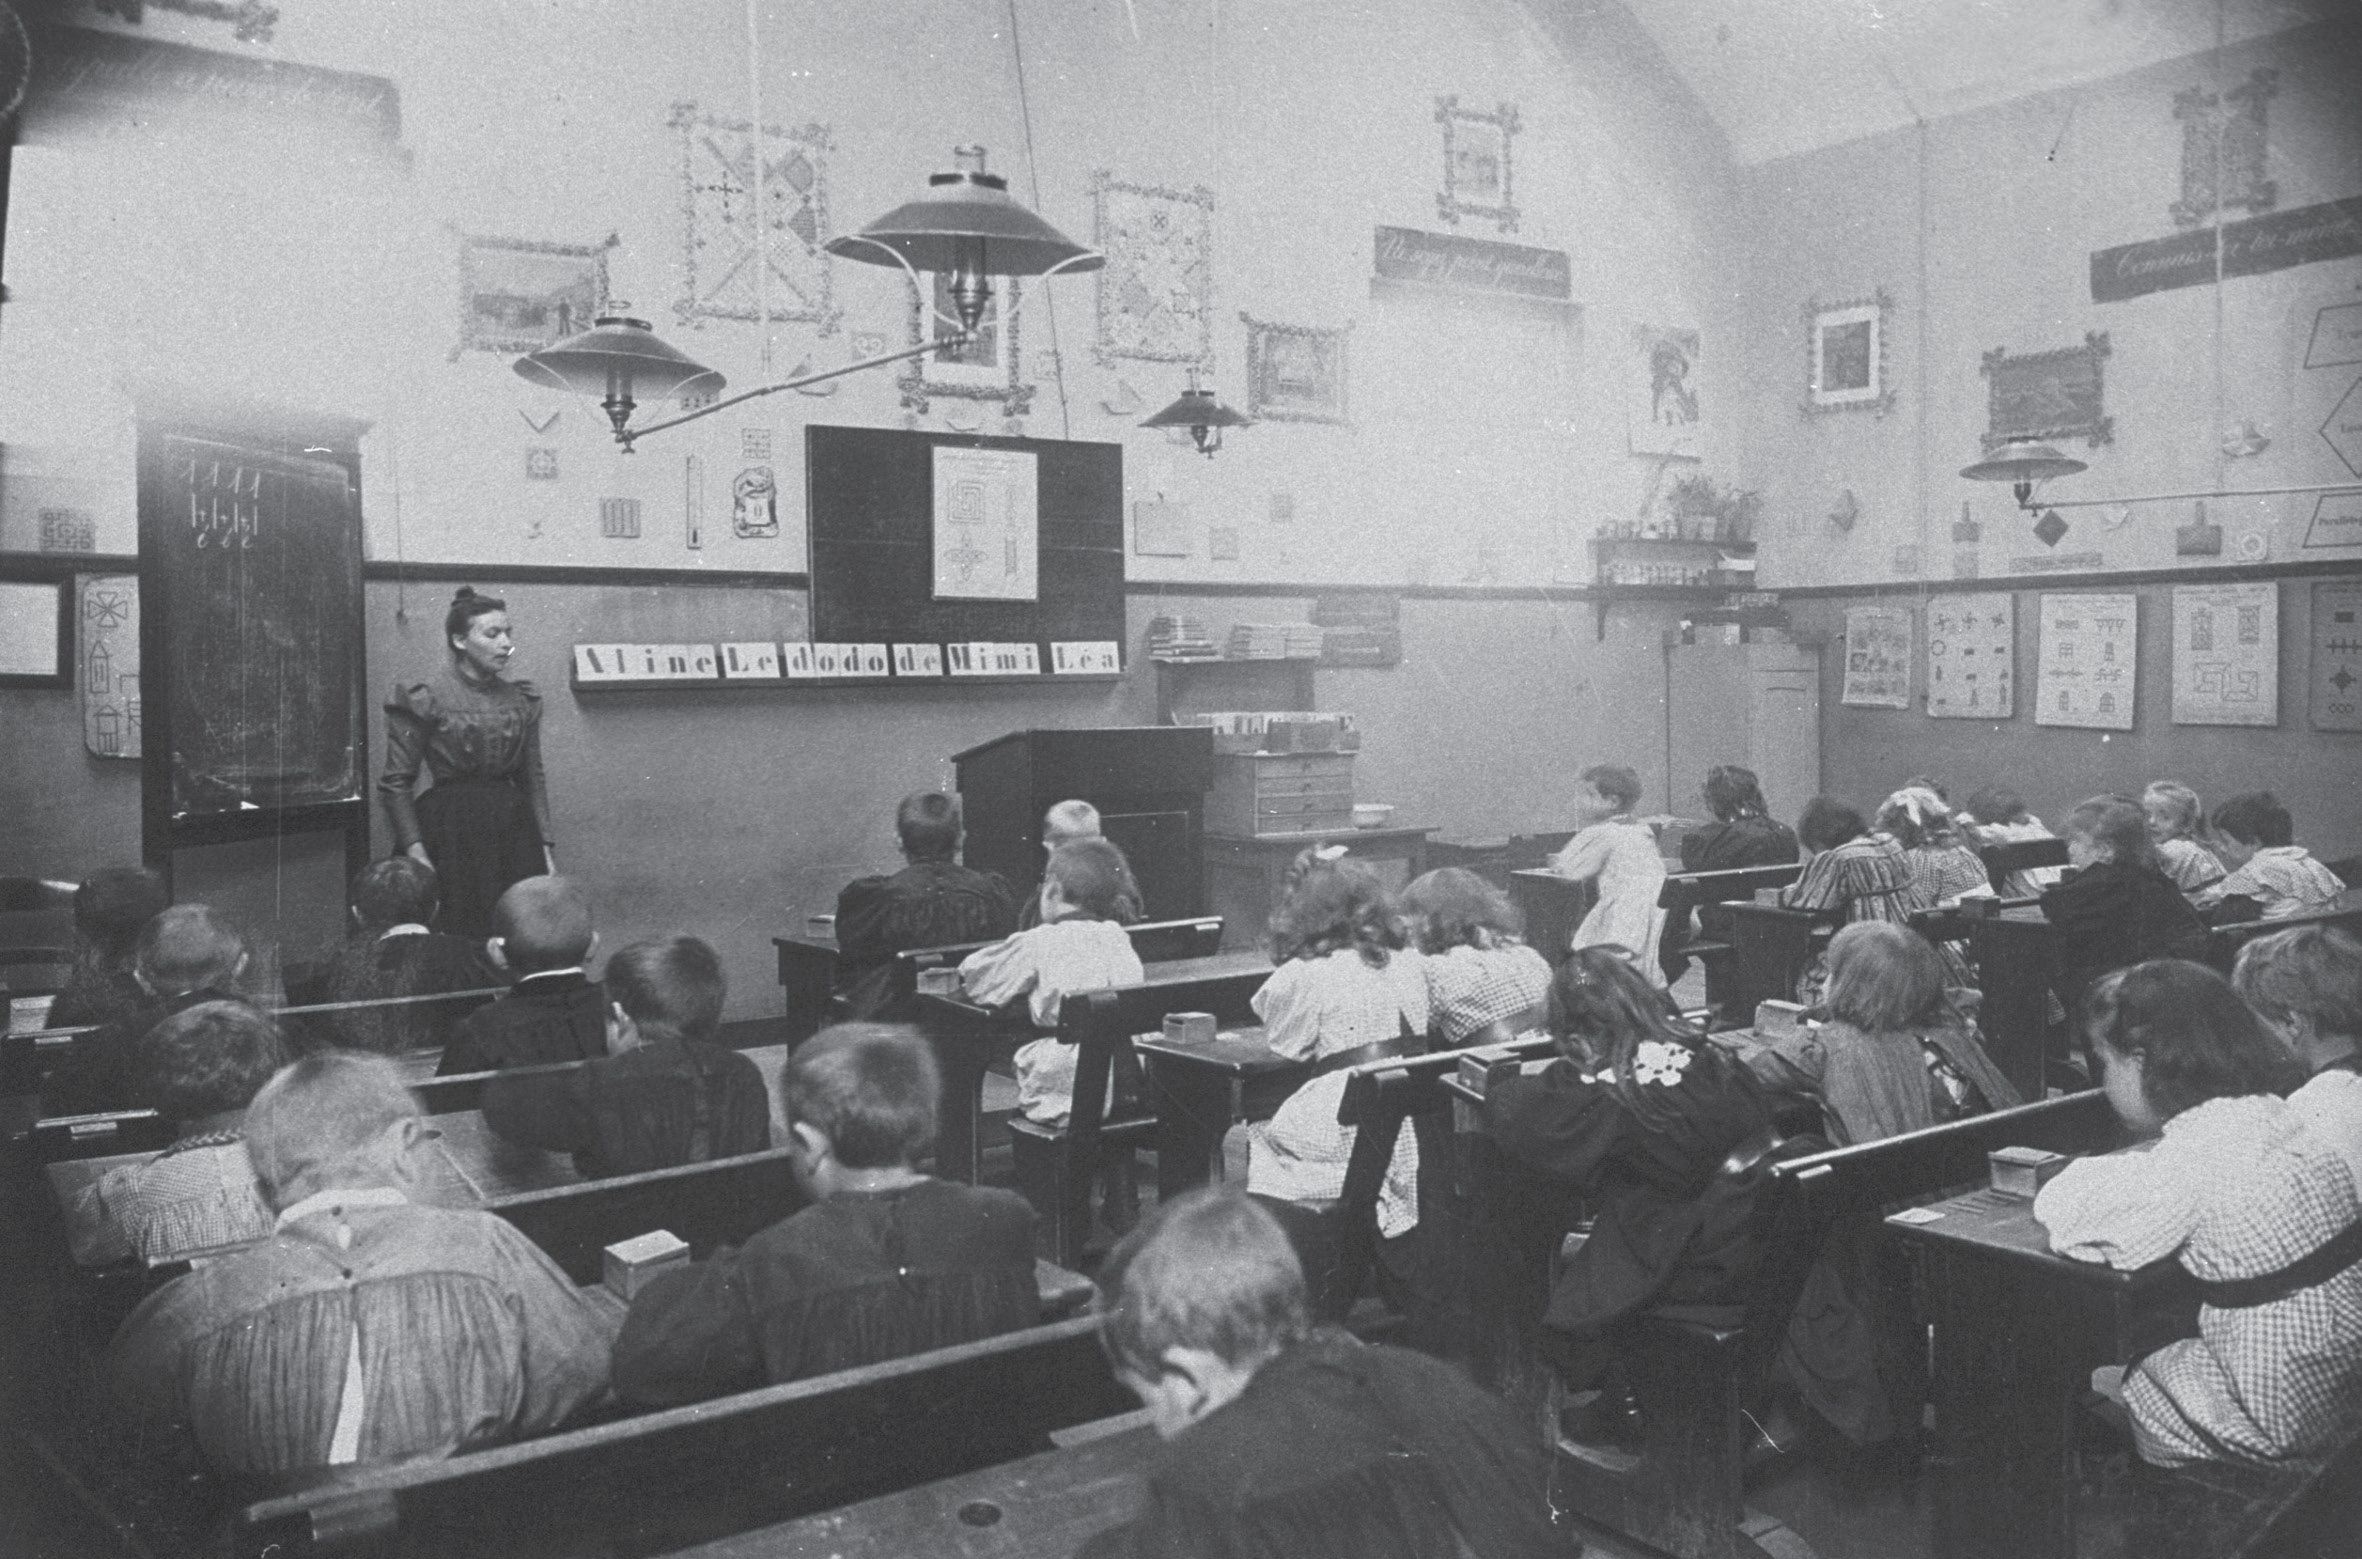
{"x":2239,"y":1186}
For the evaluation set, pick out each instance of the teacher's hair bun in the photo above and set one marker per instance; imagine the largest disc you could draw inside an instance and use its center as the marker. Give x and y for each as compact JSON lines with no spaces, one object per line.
{"x":465,"y":593}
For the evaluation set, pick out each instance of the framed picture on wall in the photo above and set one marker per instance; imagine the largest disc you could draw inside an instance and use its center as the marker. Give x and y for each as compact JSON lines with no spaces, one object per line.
{"x":36,"y":634}
{"x":2049,"y":395}
{"x":982,"y":368}
{"x":516,"y":295}
{"x":1295,"y":373}
{"x":1476,"y":163}
{"x":1845,"y":355}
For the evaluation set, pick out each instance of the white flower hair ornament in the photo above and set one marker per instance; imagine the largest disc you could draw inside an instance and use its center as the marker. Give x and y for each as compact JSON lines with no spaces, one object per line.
{"x":1655,"y":1061}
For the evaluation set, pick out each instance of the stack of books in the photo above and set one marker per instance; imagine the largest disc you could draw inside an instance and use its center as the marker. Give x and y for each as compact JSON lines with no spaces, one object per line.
{"x":1274,"y":641}
{"x":1180,"y":638}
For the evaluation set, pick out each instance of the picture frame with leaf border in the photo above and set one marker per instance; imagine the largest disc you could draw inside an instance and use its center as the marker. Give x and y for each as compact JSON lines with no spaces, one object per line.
{"x":2049,"y":395}
{"x":986,"y":369}
{"x":1476,"y":163}
{"x":520,"y":294}
{"x":1296,"y":373}
{"x":1845,"y":355}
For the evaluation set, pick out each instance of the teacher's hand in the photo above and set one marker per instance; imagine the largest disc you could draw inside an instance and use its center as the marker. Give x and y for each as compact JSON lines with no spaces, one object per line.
{"x":417,"y":852}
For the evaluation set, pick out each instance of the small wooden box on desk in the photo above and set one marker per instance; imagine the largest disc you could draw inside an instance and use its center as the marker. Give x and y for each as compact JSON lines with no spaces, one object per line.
{"x":1280,"y":793}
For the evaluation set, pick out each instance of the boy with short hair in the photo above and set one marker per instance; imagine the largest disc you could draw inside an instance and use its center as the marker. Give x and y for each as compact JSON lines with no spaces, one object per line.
{"x":934,"y":901}
{"x":394,"y":953}
{"x":665,"y":1094}
{"x":553,"y":1012}
{"x":187,"y":954}
{"x":886,"y":1262}
{"x":1284,"y":1439}
{"x":2272,"y":877}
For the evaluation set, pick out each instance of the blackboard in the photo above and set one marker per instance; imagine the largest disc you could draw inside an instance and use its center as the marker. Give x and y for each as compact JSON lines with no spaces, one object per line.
{"x":252,"y":562}
{"x":869,"y":493}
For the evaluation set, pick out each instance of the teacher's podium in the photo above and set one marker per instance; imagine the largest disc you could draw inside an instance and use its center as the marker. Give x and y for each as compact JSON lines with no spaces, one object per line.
{"x":1149,"y":783}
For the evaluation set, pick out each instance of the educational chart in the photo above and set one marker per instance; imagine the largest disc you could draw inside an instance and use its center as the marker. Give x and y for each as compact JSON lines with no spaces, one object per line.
{"x":988,"y":543}
{"x":1972,"y":656}
{"x":2337,"y":655}
{"x":109,"y":621}
{"x":2226,"y":654}
{"x":2084,"y":669}
{"x":1878,"y":657}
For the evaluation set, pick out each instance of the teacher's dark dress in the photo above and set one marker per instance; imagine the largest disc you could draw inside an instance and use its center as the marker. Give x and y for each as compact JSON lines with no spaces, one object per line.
{"x":485,"y":821}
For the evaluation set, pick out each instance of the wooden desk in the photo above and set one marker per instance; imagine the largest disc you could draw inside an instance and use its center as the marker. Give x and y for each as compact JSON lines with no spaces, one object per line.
{"x":1243,"y":875}
{"x":2013,"y":955}
{"x":2018,"y":1332}
{"x":1200,"y":1091}
{"x":1043,"y":1507}
{"x":1553,"y":907}
{"x":968,"y":1040}
{"x":1771,"y":945}
{"x":807,"y":978}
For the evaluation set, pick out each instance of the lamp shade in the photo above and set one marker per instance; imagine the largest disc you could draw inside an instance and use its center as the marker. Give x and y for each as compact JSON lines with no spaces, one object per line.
{"x":1195,"y":409}
{"x":966,"y":220}
{"x":620,"y":359}
{"x":2023,"y":460}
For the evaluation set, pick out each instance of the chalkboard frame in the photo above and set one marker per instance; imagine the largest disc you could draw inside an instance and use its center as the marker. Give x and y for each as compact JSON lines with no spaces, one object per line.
{"x":868,"y":498}
{"x":276,"y":432}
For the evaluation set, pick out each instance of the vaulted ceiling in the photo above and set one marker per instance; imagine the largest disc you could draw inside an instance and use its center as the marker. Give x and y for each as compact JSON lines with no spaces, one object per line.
{"x":1787,"y":76}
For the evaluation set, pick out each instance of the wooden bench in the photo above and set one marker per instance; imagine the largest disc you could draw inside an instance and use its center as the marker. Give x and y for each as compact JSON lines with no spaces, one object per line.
{"x":1381,"y":1098}
{"x":1153,"y":941}
{"x":1695,"y":1379}
{"x":1553,"y":908}
{"x":721,"y":1202}
{"x":1771,"y":947}
{"x":1685,"y":892}
{"x":1056,"y":1166}
{"x":653,"y":1484}
{"x":57,"y":1138}
{"x":2004,"y":861}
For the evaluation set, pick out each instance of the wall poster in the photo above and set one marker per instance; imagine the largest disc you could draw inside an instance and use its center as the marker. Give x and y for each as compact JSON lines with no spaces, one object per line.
{"x":2337,"y":655}
{"x":1972,"y":656}
{"x":2226,"y":654}
{"x":2084,"y":668}
{"x":1878,"y":657}
{"x":987,"y":525}
{"x":109,"y":620}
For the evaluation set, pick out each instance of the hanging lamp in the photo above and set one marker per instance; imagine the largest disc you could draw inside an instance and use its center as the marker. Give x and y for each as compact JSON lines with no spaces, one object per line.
{"x":2021,"y":463}
{"x":967,"y":228}
{"x":1204,"y":416}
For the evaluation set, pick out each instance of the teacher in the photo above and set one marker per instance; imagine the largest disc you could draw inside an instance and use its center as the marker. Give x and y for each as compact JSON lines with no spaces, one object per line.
{"x":485,"y":821}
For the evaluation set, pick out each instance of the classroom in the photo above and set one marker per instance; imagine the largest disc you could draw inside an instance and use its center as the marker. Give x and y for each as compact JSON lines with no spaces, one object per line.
{"x":1639,"y":717}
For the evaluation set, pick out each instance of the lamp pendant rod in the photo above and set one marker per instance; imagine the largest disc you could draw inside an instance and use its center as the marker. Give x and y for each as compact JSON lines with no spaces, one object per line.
{"x":625,"y":436}
{"x":754,"y":158}
{"x":2032,"y":505}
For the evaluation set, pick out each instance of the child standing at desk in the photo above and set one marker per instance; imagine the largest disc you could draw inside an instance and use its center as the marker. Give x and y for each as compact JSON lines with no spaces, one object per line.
{"x":2256,"y":1205}
{"x":1087,"y":899}
{"x":1618,"y":851}
{"x":2272,"y":877}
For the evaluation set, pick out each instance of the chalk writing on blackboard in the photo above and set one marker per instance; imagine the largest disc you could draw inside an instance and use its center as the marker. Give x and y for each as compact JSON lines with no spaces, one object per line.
{"x":262,"y":611}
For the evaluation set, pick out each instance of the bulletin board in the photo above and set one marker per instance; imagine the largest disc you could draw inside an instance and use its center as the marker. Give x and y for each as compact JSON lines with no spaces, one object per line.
{"x":885,"y":548}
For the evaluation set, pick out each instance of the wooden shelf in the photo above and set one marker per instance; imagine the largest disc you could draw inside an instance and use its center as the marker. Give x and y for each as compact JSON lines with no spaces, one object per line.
{"x":830,"y":684}
{"x":1290,"y":676}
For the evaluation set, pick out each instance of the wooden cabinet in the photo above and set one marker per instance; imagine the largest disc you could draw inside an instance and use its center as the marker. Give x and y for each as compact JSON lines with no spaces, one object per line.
{"x":1280,"y":793}
{"x":1148,"y":782}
